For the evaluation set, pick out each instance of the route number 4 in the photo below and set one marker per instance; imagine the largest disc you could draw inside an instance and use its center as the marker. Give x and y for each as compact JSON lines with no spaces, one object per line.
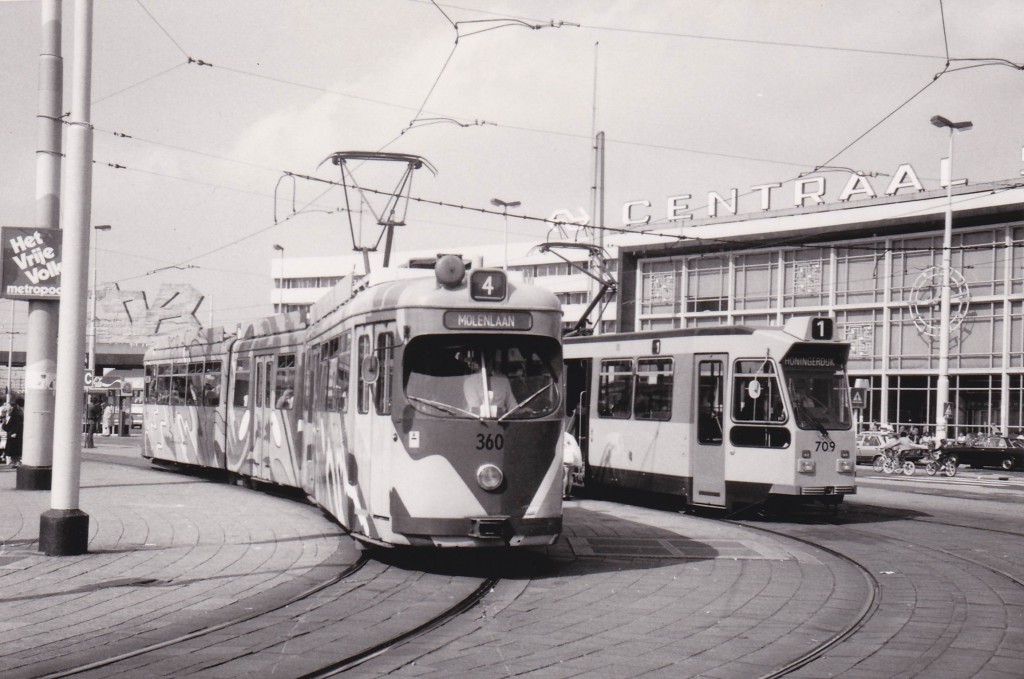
{"x":488,"y":286}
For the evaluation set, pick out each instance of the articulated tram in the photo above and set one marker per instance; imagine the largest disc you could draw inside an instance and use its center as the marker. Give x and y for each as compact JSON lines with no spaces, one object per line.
{"x":726,"y":417}
{"x":416,"y":409}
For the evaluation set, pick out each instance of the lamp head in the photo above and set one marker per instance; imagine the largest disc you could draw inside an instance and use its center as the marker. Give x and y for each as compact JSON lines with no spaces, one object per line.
{"x":498,"y":202}
{"x":279,"y":248}
{"x":939,"y":121}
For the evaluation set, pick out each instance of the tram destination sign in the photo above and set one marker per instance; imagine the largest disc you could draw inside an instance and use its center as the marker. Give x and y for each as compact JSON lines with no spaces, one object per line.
{"x":488,"y":320}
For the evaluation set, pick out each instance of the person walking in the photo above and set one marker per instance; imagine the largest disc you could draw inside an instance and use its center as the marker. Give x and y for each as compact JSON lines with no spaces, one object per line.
{"x":108,"y":419}
{"x":15,"y":426}
{"x":94,"y":416}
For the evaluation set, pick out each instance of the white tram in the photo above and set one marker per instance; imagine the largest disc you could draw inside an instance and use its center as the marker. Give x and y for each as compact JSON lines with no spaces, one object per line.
{"x":417,"y":409}
{"x":725,"y":417}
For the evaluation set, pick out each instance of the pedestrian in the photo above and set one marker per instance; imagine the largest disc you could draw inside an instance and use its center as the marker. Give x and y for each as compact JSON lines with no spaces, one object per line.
{"x":15,"y":426}
{"x":108,"y":419}
{"x":94,"y":416}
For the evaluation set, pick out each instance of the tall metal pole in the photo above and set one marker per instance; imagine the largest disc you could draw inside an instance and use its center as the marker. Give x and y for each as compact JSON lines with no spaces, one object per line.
{"x":64,"y":528}
{"x":280,"y":279}
{"x":942,"y":387}
{"x":41,"y":321}
{"x":10,"y":357}
{"x":942,"y":399}
{"x":91,"y":337}
{"x":505,"y":205}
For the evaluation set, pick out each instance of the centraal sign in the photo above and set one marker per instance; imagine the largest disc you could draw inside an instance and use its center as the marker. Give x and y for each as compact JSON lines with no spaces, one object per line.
{"x":31,"y":263}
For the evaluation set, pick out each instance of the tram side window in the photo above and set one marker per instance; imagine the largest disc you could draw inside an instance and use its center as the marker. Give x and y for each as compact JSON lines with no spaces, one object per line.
{"x":757,"y":396}
{"x":386,"y":354}
{"x":242,"y":377}
{"x":311,"y":364}
{"x":163,"y":384}
{"x":615,"y":389}
{"x":179,"y":384}
{"x":363,"y":350}
{"x":284,"y":382}
{"x":341,"y":372}
{"x":757,"y":406}
{"x":212,"y":384}
{"x":194,"y":384}
{"x":710,"y":402}
{"x":653,"y":399}
{"x":150,"y":384}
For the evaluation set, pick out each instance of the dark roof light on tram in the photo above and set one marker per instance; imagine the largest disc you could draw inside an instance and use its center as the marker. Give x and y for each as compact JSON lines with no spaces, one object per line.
{"x":450,"y":271}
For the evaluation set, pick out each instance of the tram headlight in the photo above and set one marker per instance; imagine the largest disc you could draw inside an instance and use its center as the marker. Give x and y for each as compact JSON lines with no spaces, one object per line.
{"x":489,"y":477}
{"x":805,"y":466}
{"x":844,"y":466}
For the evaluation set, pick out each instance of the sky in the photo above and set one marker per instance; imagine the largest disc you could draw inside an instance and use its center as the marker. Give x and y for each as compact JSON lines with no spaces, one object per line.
{"x":206,"y":107}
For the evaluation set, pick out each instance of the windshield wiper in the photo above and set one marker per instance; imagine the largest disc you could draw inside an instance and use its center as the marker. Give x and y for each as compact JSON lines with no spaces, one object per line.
{"x":814,"y":420}
{"x":450,"y":409}
{"x":535,"y":395}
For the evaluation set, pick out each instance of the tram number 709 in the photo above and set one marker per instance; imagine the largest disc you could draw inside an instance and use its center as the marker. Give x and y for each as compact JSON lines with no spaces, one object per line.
{"x":827,"y":446}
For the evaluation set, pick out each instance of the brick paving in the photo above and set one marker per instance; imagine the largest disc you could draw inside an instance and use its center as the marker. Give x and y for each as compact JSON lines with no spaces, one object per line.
{"x":626,"y":592}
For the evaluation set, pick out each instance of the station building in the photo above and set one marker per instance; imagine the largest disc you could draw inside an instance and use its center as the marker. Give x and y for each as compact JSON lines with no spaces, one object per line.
{"x":872,"y":263}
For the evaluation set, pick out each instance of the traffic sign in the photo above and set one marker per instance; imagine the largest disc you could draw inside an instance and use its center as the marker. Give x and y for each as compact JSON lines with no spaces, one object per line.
{"x":857,"y":397}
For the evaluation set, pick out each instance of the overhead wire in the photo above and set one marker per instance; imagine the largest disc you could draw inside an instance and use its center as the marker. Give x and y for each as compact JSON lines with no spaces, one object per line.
{"x":422,"y":106}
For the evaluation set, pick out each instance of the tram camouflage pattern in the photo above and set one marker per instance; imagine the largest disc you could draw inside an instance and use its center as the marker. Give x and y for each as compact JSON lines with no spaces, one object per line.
{"x":282,"y":401}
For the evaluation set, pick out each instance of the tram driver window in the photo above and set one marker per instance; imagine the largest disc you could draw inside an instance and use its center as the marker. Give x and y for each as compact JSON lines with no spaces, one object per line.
{"x":480,"y":376}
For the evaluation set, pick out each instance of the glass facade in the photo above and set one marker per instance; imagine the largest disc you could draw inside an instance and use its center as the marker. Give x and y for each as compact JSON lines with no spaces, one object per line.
{"x":884,"y":293}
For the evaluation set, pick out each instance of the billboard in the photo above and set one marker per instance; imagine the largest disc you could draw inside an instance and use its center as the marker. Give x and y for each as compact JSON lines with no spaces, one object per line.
{"x":31,"y":263}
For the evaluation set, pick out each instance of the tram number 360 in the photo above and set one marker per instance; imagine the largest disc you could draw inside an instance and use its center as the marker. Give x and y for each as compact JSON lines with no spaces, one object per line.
{"x":827,"y":446}
{"x":490,"y":441}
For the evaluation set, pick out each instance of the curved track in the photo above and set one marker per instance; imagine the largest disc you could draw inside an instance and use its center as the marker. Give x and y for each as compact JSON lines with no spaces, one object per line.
{"x":339,"y":624}
{"x":871,"y":591}
{"x":951,"y":596}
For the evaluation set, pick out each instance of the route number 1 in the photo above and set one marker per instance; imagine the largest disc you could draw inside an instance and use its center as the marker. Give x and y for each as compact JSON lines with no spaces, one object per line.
{"x":821,"y":329}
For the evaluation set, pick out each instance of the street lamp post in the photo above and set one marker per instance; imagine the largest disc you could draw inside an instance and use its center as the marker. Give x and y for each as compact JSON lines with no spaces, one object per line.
{"x":280,"y":279}
{"x":92,"y":313}
{"x":10,"y":357}
{"x":505,"y":205}
{"x":942,"y":409}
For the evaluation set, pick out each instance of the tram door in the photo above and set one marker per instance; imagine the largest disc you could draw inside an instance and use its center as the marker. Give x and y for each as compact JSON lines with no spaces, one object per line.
{"x":263,"y":416}
{"x":375,"y":346}
{"x":709,"y":443}
{"x":577,"y":407}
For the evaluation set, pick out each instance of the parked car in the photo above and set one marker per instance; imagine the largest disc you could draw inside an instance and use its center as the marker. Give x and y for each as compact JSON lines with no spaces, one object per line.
{"x":989,"y":451}
{"x":869,"y":446}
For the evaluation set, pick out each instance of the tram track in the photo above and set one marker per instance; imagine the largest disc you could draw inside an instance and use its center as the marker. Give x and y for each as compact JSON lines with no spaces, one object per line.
{"x":870,"y":605}
{"x":281,"y":624}
{"x":455,"y":587}
{"x":209,"y":629}
{"x":357,"y":659}
{"x":916,"y":575}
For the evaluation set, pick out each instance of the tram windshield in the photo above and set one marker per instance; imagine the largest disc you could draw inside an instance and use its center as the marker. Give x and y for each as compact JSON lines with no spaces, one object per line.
{"x":483,"y":377}
{"x":818,"y":390}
